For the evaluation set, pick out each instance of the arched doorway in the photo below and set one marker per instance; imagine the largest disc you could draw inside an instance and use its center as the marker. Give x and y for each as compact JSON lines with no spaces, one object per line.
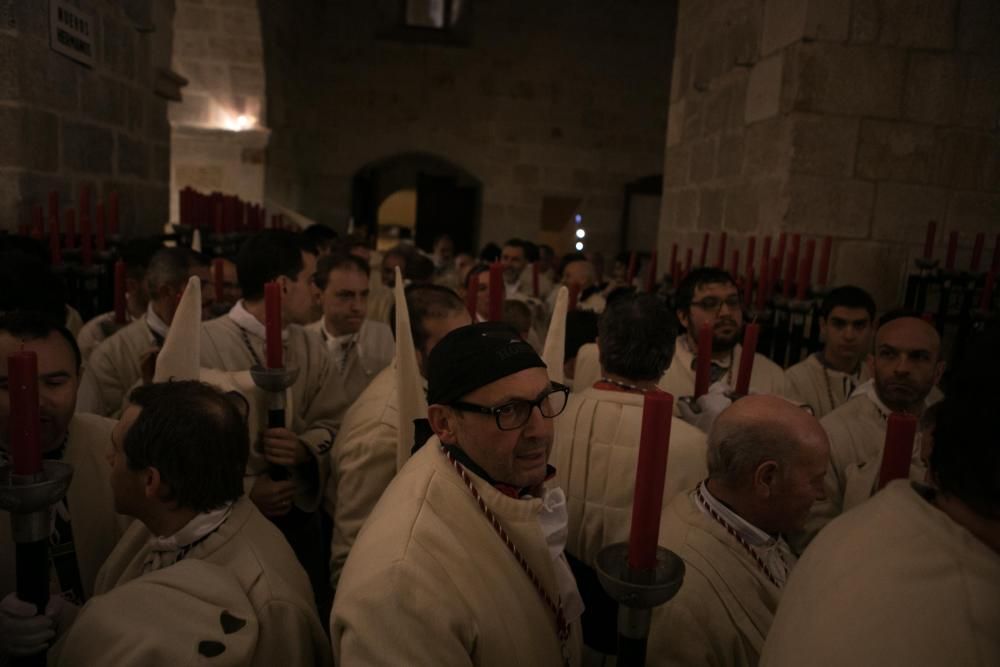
{"x":448,"y":198}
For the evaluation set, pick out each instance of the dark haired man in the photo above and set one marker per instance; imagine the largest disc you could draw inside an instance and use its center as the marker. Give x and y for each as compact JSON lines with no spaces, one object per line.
{"x":825,"y":380}
{"x":177,"y":459}
{"x":358,"y":347}
{"x":84,"y":526}
{"x":364,"y":456}
{"x":434,"y":562}
{"x":708,"y":296}
{"x":514,"y":259}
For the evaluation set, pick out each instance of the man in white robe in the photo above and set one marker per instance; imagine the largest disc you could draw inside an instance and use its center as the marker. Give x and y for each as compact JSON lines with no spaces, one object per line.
{"x":912,"y":576}
{"x":578,"y":271}
{"x":431,"y":579}
{"x":364,"y":456}
{"x":905,"y":368}
{"x":710,"y":296}
{"x":825,"y":380}
{"x":359,"y":348}
{"x":766,"y":460}
{"x":125,"y":359}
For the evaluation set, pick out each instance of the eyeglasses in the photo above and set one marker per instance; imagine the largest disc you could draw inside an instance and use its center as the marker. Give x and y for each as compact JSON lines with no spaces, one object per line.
{"x":512,"y":416}
{"x":714,"y":303}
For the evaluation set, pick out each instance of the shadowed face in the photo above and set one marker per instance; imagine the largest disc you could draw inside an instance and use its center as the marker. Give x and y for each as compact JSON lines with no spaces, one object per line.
{"x":716,"y":304}
{"x":906,"y":364}
{"x":847,"y":332}
{"x":345,"y":301}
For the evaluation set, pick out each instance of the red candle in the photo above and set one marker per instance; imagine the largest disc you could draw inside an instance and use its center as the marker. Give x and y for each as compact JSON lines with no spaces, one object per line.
{"x":751,"y":249}
{"x":472,"y":294}
{"x":651,"y":277}
{"x":630,"y":272}
{"x":25,"y":437}
{"x":69,"y":238}
{"x":734,"y":265}
{"x":497,"y":292}
{"x":977,"y":251}
{"x":792,"y":264}
{"x":272,"y":324}
{"x":86,"y":242}
{"x":774,"y":275}
{"x":113,"y":213}
{"x":651,"y":471}
{"x":688,"y":260}
{"x":750,"y":336}
{"x":38,"y":223}
{"x":987,"y":296}
{"x":898,"y":450}
{"x":949,"y":262}
{"x":765,"y":254}
{"x":748,"y":286}
{"x":120,"y":291}
{"x":721,"y":259}
{"x":779,"y":252}
{"x":101,"y":226}
{"x":805,"y":270}
{"x":218,"y":280}
{"x":704,"y":249}
{"x":702,"y":375}
{"x":84,"y":207}
{"x":55,"y":249}
{"x":824,"y":261}
{"x":929,"y":240}
{"x":762,"y":286}
{"x":574,"y":297}
{"x":673,"y":258}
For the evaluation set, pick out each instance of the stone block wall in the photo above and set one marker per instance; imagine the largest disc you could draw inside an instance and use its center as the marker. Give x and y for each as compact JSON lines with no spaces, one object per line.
{"x":537,"y":100}
{"x":64,"y":125}
{"x":862,"y":120}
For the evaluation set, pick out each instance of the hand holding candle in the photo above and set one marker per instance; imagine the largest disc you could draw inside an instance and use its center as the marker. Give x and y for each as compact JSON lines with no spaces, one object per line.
{"x":651,"y":471}
{"x":898,"y":450}
{"x":703,"y":376}
{"x":25,"y":435}
{"x":272,"y":324}
{"x":749,"y":349}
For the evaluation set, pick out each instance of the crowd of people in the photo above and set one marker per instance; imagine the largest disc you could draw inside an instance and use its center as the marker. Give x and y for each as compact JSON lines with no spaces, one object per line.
{"x":433,"y":488}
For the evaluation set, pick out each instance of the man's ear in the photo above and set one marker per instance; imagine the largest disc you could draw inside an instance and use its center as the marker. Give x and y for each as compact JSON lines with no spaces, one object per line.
{"x":764,"y":479}
{"x":683,"y":318}
{"x":938,"y":372}
{"x":153,"y":485}
{"x":442,"y":420}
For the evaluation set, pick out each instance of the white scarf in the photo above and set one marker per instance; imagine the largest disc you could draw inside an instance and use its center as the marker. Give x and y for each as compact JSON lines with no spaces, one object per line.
{"x":339,"y":346}
{"x":553,"y":520}
{"x":165,"y":551}
{"x":157,"y":325}
{"x":244,"y":319}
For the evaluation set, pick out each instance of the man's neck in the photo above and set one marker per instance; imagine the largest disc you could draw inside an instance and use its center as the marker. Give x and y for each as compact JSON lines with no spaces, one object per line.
{"x":333,"y":331}
{"x":167,"y":522}
{"x":985,"y":530}
{"x":162,"y":310}
{"x":849,"y":365}
{"x":643,"y":385}
{"x":717,"y":355}
{"x":255,"y":308}
{"x":915,"y":409}
{"x":736,"y":502}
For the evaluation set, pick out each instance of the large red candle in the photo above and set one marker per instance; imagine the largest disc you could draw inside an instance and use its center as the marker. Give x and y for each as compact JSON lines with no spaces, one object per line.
{"x":651,"y":471}
{"x":651,"y":277}
{"x":762,"y":285}
{"x":69,"y":238}
{"x":765,"y":254}
{"x":987,"y":296}
{"x":792,"y":265}
{"x":734,"y":265}
{"x":496,"y":292}
{"x":977,"y":252}
{"x":702,"y":373}
{"x":574,"y":297}
{"x":101,"y":224}
{"x":749,"y":349}
{"x":534,"y":279}
{"x":720,"y":261}
{"x":472,"y":294}
{"x":630,"y":271}
{"x":748,"y":287}
{"x":824,"y":261}
{"x":929,"y":240}
{"x":898,"y":451}
{"x":272,"y":324}
{"x":24,"y":434}
{"x":113,"y":228}
{"x":751,"y":249}
{"x":779,"y":252}
{"x":949,"y":262}
{"x":704,"y":249}
{"x":218,"y":278}
{"x":805,"y":270}
{"x":120,"y":291}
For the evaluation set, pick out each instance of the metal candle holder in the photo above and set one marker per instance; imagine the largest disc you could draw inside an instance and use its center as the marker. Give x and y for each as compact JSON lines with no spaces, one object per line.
{"x":637,"y":593}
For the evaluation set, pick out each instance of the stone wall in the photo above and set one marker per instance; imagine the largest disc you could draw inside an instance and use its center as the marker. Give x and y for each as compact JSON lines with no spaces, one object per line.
{"x":534,"y":100}
{"x":861,"y":119}
{"x":64,"y":125}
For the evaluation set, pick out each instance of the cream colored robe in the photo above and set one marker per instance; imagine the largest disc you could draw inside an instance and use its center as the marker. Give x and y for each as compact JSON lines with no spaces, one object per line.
{"x":91,"y":334}
{"x":252,"y":549}
{"x":317,"y":397}
{"x":380,"y":302}
{"x":806,"y":382}
{"x":595,"y":454}
{"x":362,"y":463}
{"x":723,"y":611}
{"x":588,"y":367}
{"x":113,"y":370}
{"x":766,"y":377}
{"x":429,"y":582}
{"x":893,"y":582}
{"x":96,"y":526}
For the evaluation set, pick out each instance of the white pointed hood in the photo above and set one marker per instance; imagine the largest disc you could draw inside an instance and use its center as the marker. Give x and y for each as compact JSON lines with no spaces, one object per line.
{"x":554,"y":350}
{"x":410,"y":385}
{"x":180,"y":357}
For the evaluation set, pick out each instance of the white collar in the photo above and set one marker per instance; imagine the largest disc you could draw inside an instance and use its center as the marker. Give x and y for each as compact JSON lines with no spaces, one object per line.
{"x":157,"y":325}
{"x":334,"y":342}
{"x":754,"y":536}
{"x":165,"y":551}
{"x":245,"y":320}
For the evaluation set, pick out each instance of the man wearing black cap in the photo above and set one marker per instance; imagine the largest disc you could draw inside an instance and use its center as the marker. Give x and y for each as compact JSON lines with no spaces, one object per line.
{"x":462,"y":558}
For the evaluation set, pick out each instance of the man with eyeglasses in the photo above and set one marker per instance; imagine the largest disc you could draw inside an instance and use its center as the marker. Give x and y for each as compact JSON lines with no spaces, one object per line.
{"x":359,"y":347}
{"x":709,"y":296}
{"x":462,"y":562}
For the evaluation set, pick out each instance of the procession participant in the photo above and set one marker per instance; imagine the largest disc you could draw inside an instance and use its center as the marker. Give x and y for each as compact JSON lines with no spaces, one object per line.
{"x":709,"y":295}
{"x":380,"y":299}
{"x":766,"y":460}
{"x":825,"y":380}
{"x":576,"y":270}
{"x":119,"y":362}
{"x":472,"y":500}
{"x":364,"y":456}
{"x":514,"y":258}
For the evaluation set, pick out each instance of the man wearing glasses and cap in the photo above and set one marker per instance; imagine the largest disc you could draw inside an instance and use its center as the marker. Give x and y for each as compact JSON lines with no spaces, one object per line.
{"x":461,"y":561}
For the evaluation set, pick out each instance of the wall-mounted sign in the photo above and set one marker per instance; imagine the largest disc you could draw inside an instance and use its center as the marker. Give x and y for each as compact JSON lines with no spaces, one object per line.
{"x":71,"y":31}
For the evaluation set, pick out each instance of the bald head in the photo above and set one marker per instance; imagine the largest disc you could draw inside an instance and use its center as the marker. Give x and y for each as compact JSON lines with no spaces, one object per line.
{"x":907,"y":363}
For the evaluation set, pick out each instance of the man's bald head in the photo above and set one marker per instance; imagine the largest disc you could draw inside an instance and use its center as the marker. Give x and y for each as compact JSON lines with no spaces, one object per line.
{"x":907,"y":362}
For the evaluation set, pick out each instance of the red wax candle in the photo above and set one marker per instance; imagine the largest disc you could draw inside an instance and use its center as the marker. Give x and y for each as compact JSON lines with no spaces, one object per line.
{"x":977,"y":251}
{"x":24,"y":434}
{"x":720,"y":261}
{"x":929,"y":240}
{"x":762,"y":286}
{"x":702,"y":375}
{"x":574,"y":297}
{"x":218,"y":280}
{"x":86,"y":242}
{"x":704,"y":249}
{"x":824,"y":261}
{"x":84,"y":203}
{"x":272,"y":324}
{"x":673,"y":258}
{"x":120,"y":291}
{"x":765,"y":254}
{"x":751,"y":249}
{"x":792,"y":265}
{"x":38,"y":223}
{"x":898,"y":450}
{"x":805,"y":270}
{"x":774,"y":274}
{"x":630,"y":271}
{"x":750,"y":336}
{"x":734,"y":265}
{"x":779,"y":252}
{"x":113,"y":214}
{"x":69,"y":238}
{"x":472,"y":294}
{"x":748,"y":286}
{"x":650,"y":473}
{"x":101,"y":226}
{"x":949,"y":262}
{"x":497,"y":292}
{"x":688,"y":260}
{"x":987,"y":296}
{"x":651,"y":277}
